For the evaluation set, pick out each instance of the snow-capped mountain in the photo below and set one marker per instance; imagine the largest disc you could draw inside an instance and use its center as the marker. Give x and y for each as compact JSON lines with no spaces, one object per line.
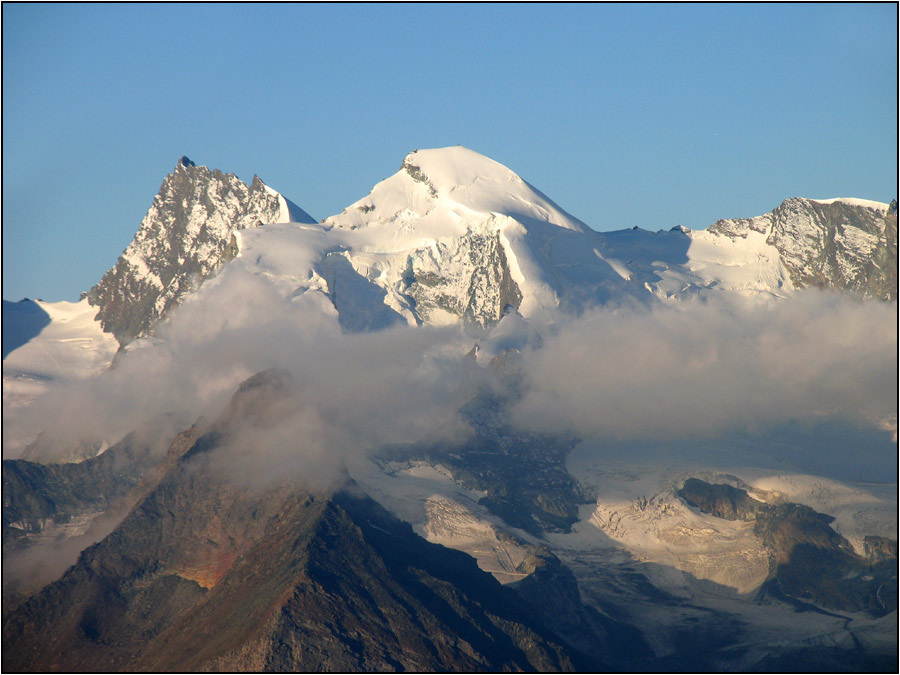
{"x":694,"y":549}
{"x":847,"y":244}
{"x":188,"y":234}
{"x":455,"y":235}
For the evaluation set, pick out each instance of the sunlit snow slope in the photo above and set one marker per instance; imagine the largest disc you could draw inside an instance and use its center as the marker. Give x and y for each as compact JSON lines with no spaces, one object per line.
{"x":71,"y":346}
{"x":455,"y":235}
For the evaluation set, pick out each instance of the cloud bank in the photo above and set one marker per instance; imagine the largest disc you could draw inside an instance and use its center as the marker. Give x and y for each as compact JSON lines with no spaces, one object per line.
{"x":714,"y":366}
{"x":352,"y":391}
{"x":687,"y":371}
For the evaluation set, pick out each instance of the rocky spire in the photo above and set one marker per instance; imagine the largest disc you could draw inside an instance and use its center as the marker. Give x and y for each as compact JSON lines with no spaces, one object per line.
{"x":186,"y":236}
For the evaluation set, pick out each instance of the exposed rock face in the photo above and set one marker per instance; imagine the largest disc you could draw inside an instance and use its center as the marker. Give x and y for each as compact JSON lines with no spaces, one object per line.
{"x":880,"y":548}
{"x":188,"y":233}
{"x":721,"y":500}
{"x":812,"y":562}
{"x":832,"y":244}
{"x":415,"y":172}
{"x":470,"y":280}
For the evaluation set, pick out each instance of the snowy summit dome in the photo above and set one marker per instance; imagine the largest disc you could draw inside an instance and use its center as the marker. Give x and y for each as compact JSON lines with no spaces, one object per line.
{"x":447,"y":169}
{"x":450,"y":186}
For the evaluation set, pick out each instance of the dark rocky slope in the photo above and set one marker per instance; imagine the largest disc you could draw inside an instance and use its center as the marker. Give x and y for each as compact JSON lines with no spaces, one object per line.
{"x":209,"y":574}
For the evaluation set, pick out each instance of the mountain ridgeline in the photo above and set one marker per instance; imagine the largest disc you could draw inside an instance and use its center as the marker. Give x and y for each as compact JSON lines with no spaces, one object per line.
{"x":403,"y":500}
{"x":456,"y":237}
{"x":830,"y":244}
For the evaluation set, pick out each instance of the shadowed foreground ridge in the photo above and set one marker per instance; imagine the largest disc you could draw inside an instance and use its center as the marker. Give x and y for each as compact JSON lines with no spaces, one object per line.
{"x":207,"y":575}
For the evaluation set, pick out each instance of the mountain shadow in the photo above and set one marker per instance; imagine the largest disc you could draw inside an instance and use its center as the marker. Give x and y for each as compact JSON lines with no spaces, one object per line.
{"x":645,"y":254}
{"x":359,"y":302}
{"x":22,"y":321}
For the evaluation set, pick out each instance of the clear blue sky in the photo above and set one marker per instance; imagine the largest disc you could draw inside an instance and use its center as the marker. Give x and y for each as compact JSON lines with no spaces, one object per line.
{"x":648,"y":115}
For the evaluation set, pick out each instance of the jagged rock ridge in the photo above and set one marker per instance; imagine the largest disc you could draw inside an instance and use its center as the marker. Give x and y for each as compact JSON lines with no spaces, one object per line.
{"x":186,"y":236}
{"x":829,"y":244}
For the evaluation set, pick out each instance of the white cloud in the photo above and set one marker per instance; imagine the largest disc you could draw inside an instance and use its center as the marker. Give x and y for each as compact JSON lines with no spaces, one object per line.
{"x":705,"y":368}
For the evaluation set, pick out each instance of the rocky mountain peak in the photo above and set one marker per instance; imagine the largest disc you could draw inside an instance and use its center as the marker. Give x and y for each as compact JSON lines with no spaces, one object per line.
{"x":832,"y":243}
{"x":838,"y":243}
{"x":189,"y":232}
